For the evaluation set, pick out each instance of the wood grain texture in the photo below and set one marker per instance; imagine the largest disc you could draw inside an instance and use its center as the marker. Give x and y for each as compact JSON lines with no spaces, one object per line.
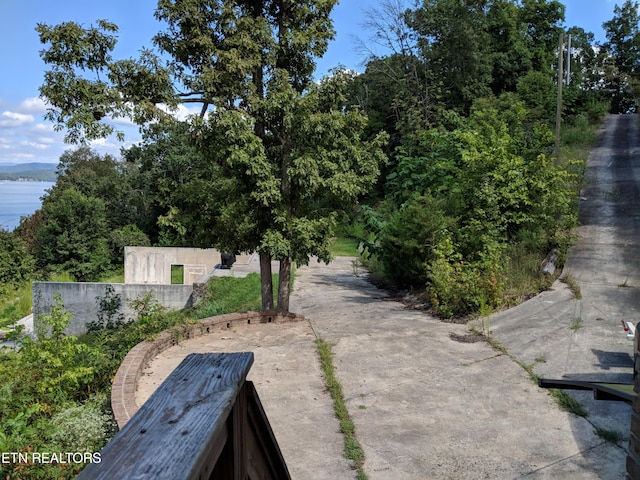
{"x":182,"y":428}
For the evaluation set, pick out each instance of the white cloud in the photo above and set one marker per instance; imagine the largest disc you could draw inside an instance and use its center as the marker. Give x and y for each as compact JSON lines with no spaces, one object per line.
{"x":42,"y":128}
{"x":24,"y":156}
{"x":182,"y":111}
{"x":33,"y":105}
{"x":35,"y":145}
{"x":14,"y":119}
{"x":46,"y":140}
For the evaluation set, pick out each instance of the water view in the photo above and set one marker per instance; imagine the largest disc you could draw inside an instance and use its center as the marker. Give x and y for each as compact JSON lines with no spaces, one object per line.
{"x":19,"y":199}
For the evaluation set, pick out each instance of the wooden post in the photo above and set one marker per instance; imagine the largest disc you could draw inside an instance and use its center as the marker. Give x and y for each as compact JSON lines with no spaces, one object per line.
{"x":559,"y":108}
{"x":204,"y":422}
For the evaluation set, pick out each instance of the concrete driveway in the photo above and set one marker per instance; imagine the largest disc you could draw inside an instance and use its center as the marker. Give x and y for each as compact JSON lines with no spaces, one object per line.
{"x":428,"y":402}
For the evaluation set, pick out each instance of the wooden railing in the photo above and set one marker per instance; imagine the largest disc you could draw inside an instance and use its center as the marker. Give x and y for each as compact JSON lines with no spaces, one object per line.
{"x":204,"y":422}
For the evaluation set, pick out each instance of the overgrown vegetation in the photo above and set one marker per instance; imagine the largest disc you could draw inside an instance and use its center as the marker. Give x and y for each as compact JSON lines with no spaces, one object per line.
{"x":352,"y":449}
{"x":55,"y":391}
{"x":444,"y":146}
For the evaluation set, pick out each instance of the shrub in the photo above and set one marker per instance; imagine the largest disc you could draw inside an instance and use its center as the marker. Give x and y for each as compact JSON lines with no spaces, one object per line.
{"x":458,"y":287}
{"x":408,"y":240}
{"x":82,"y":428}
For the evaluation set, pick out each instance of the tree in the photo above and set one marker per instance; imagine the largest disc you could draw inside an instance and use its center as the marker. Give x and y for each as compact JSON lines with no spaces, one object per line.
{"x":99,"y":176}
{"x":623,"y":45}
{"x":73,"y":235}
{"x":16,"y":263}
{"x":250,"y":65}
{"x":454,"y":40}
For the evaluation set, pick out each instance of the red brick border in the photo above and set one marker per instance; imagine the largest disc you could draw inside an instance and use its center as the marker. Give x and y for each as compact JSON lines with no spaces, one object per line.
{"x":125,"y":383}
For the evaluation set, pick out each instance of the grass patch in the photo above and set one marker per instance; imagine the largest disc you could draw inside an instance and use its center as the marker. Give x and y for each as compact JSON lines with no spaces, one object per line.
{"x":610,"y":436}
{"x":568,"y":403}
{"x":64,"y":277}
{"x":344,"y":247}
{"x":523,"y":278}
{"x":232,"y":294}
{"x":15,"y":304}
{"x":573,"y":285}
{"x":115,"y":276}
{"x":352,"y":449}
{"x":576,"y":324}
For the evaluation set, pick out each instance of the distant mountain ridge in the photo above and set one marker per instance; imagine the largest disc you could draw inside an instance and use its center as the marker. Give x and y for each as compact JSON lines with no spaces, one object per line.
{"x":38,"y":171}
{"x":25,"y":167}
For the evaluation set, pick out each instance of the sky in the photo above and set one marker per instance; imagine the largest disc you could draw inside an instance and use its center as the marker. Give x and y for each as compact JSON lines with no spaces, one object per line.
{"x":26,"y":137}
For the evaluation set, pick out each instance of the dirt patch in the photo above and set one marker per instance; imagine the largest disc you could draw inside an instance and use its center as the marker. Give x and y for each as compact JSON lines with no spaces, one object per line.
{"x":470,"y":338}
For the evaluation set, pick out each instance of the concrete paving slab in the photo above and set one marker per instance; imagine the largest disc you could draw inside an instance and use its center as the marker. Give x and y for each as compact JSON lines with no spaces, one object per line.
{"x":288,"y":379}
{"x":425,"y":405}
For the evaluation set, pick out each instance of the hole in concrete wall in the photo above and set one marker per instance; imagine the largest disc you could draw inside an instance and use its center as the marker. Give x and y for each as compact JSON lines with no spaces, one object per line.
{"x":269,"y":320}
{"x":177,"y":274}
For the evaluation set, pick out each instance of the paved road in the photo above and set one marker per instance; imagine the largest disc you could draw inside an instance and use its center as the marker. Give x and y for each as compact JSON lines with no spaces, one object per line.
{"x":582,"y":339}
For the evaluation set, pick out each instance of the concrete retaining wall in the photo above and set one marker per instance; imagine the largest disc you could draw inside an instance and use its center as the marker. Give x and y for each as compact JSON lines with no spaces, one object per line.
{"x":153,"y":264}
{"x":80,"y":299}
{"x":125,"y":383}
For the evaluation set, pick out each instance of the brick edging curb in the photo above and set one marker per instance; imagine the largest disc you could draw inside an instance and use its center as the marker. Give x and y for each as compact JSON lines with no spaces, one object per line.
{"x":125,"y":382}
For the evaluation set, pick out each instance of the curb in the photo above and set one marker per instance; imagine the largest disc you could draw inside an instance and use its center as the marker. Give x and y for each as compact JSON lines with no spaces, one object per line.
{"x":125,"y":382}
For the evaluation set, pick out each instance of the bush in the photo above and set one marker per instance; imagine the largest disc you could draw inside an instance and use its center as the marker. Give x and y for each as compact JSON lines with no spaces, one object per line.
{"x":408,"y":240}
{"x":457,"y":287}
{"x":16,"y":264}
{"x":82,"y":428}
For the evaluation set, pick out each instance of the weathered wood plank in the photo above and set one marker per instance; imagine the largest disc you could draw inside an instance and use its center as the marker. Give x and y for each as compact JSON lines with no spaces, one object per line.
{"x":181,"y":430}
{"x":265,"y":457}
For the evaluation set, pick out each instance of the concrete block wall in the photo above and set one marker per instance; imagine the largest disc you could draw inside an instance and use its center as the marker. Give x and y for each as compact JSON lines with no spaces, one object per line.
{"x":152,"y":265}
{"x":80,"y":299}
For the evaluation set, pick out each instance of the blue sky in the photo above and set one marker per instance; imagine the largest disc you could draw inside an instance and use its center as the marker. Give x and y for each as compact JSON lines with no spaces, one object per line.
{"x":25,"y":137}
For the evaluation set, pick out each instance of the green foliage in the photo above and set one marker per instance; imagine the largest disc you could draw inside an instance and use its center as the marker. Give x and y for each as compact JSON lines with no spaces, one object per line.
{"x":457,"y":287}
{"x":458,"y":199}
{"x":54,"y":393}
{"x":73,"y":235}
{"x":82,"y":428}
{"x":409,"y":238}
{"x":66,"y":367}
{"x":16,"y":263}
{"x":623,"y":47}
{"x":15,"y":303}
{"x":127,"y":236}
{"x":109,"y":310}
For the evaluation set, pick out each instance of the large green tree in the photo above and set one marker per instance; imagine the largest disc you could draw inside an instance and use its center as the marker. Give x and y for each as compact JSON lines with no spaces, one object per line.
{"x":250,"y":65}
{"x":623,"y":47}
{"x":73,"y":236}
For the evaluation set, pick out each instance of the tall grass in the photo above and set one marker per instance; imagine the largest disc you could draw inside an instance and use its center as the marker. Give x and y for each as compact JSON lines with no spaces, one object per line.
{"x":15,"y":304}
{"x":344,"y":247}
{"x":232,"y":294}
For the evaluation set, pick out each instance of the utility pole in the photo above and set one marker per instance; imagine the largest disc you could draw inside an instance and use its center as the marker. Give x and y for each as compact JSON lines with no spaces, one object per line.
{"x":568,"y":60}
{"x":560,"y":82}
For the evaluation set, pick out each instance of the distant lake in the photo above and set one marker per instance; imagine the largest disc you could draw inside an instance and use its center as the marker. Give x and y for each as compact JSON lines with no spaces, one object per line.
{"x":19,"y":199}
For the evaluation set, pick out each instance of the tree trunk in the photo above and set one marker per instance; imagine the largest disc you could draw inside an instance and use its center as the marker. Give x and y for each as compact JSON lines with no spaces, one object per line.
{"x":266,"y":282}
{"x":283,"y":284}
